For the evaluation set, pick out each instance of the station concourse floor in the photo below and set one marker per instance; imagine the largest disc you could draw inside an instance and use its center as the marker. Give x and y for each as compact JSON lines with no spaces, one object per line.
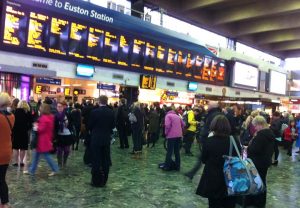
{"x":136,"y":182}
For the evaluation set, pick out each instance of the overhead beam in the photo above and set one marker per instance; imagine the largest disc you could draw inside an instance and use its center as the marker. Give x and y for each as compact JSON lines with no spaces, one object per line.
{"x":199,"y":4}
{"x":292,"y":54}
{"x":255,"y":10}
{"x":277,"y":36}
{"x":286,"y":46}
{"x":267,"y":24}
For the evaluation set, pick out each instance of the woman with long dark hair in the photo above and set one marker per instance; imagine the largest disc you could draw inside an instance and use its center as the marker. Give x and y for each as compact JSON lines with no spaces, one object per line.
{"x":212,"y":184}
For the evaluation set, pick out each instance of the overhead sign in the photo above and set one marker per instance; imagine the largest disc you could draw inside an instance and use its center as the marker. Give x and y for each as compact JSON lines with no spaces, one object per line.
{"x":106,"y":87}
{"x":49,"y":28}
{"x":46,"y":80}
{"x":79,"y":92}
{"x":148,"y":82}
{"x":67,"y":91}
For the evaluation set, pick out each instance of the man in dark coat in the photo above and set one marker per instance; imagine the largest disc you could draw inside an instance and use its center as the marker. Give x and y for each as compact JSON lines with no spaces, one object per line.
{"x":123,"y":123}
{"x":101,"y":125}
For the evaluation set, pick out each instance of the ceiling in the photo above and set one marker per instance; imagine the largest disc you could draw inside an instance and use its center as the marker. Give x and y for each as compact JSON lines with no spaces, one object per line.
{"x":272,"y":26}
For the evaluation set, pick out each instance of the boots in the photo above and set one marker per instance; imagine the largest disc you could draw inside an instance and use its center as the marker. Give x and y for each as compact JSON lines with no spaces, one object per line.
{"x":59,"y":161}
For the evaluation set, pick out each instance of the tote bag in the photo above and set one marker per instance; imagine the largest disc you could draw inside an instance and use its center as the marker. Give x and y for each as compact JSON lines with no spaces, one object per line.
{"x":241,"y":175}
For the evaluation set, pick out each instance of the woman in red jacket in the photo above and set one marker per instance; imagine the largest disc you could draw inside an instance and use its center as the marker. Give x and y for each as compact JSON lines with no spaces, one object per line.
{"x":290,"y":135}
{"x":45,"y":129}
{"x":6,"y":124}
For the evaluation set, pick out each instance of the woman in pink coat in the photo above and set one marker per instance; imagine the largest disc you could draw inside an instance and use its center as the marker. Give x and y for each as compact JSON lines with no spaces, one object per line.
{"x":45,"y":129}
{"x":173,"y":130}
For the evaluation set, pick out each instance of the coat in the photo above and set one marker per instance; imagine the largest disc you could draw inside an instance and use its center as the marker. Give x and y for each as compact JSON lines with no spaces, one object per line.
{"x":45,"y":133}
{"x":261,"y":148}
{"x":5,"y":138}
{"x":153,"y":122}
{"x":288,"y":134}
{"x":101,"y":125}
{"x":173,"y":125}
{"x":212,"y":182}
{"x":23,"y":123}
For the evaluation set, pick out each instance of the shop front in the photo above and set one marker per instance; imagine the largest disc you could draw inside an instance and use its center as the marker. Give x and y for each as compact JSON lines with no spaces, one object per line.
{"x":74,"y":90}
{"x":16,"y":85}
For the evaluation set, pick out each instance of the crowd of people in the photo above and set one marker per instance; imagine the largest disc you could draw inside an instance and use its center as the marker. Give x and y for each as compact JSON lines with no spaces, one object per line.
{"x":52,"y":127}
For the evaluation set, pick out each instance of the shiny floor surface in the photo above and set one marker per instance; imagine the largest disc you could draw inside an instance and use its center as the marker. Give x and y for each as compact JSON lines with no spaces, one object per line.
{"x":136,"y":182}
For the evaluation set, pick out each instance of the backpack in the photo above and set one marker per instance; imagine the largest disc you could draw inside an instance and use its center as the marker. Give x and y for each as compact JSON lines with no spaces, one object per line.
{"x":241,"y":175}
{"x":185,"y":119}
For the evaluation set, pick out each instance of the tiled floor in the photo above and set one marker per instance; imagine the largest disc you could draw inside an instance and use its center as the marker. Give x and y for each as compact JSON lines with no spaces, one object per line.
{"x":136,"y":182}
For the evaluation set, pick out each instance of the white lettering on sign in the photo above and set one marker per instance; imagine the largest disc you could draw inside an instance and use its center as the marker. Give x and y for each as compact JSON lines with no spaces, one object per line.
{"x":68,"y":6}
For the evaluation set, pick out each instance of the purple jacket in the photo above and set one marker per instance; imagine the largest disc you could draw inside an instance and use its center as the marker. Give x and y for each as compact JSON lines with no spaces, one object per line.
{"x":173,"y":125}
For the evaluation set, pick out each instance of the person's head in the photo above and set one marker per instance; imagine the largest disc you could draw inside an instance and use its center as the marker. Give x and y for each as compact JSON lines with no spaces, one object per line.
{"x":31,"y":99}
{"x":103,"y":100}
{"x":196,"y":111}
{"x":292,"y":123}
{"x":254,"y":113}
{"x":15,"y":103}
{"x":70,"y":104}
{"x":276,"y":115}
{"x":213,"y":104}
{"x":24,"y":105}
{"x":60,"y":107}
{"x":5,"y":101}
{"x":220,"y":126}
{"x":259,"y":122}
{"x":48,"y":101}
{"x":123,"y":101}
{"x":77,"y":105}
{"x":137,"y":105}
{"x":45,"y":109}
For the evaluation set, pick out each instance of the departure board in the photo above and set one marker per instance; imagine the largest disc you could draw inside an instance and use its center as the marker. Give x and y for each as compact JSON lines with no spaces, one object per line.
{"x":111,"y":45}
{"x":162,"y":53}
{"x":59,"y":36}
{"x":124,"y":51}
{"x":137,"y":53}
{"x":15,"y":27}
{"x":171,"y":60}
{"x":197,"y":72}
{"x":78,"y":39}
{"x":95,"y":44}
{"x":37,"y":31}
{"x":149,"y":58}
{"x":190,"y":63}
{"x":181,"y":62}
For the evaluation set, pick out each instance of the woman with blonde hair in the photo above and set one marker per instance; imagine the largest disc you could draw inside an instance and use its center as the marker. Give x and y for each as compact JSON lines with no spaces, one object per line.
{"x":6,"y":124}
{"x":260,"y":151}
{"x":23,"y":123}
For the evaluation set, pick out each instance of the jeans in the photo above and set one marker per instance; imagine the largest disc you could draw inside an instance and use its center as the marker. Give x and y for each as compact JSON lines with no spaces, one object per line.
{"x":35,"y":161}
{"x":188,"y":140}
{"x":3,"y":185}
{"x":173,"y":146}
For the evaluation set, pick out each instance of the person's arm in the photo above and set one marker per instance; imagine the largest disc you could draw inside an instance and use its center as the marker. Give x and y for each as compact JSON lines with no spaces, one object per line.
{"x":256,"y":146}
{"x":205,"y":153}
{"x":42,"y":126}
{"x":167,"y":124}
{"x":91,"y":121}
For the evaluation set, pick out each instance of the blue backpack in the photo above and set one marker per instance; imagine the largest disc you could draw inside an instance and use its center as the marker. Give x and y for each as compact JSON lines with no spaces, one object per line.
{"x":241,"y":175}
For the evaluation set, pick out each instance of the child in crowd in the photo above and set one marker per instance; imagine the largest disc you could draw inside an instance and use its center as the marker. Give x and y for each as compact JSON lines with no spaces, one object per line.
{"x":290,"y":135}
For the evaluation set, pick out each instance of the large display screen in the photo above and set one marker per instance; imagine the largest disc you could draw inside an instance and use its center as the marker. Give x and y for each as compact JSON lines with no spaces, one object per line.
{"x":245,"y":76}
{"x":39,"y":32}
{"x":278,"y":83}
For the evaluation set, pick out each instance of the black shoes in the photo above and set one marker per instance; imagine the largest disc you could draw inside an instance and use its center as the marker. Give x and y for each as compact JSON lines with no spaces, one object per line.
{"x":275,"y":163}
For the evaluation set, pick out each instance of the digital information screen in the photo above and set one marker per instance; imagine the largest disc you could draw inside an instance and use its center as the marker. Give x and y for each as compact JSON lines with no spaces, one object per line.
{"x":59,"y":36}
{"x":37,"y":31}
{"x":15,"y":27}
{"x":148,"y":82}
{"x":172,"y":59}
{"x":95,"y":44}
{"x":124,"y":50}
{"x":137,"y":53}
{"x":161,"y":59}
{"x":31,"y":30}
{"x":111,"y":45}
{"x":78,"y":38}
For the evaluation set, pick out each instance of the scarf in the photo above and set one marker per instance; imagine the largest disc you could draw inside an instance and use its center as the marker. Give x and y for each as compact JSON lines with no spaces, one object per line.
{"x":61,"y":120}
